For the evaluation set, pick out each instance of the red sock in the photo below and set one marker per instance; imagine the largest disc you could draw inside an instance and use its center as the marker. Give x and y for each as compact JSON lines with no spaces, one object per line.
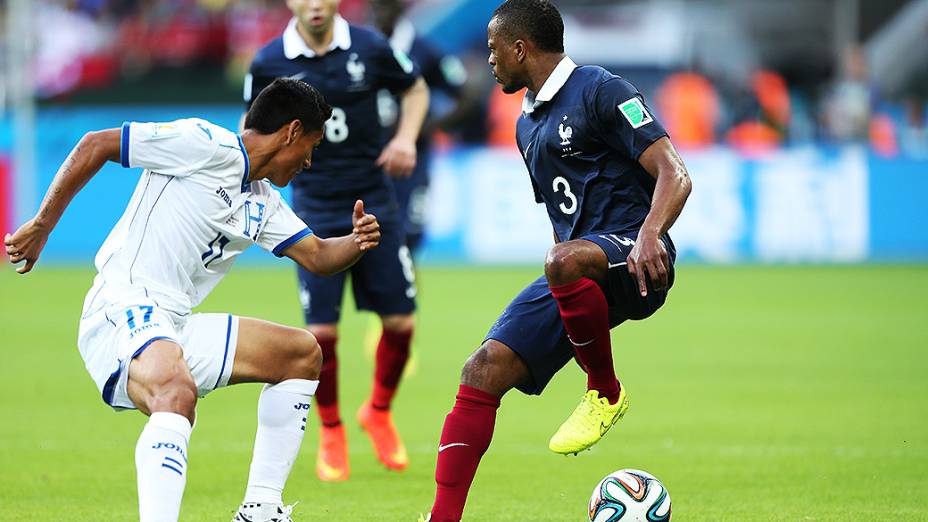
{"x":585,"y":313}
{"x":327,"y":393}
{"x":392,"y":354}
{"x":465,"y":437}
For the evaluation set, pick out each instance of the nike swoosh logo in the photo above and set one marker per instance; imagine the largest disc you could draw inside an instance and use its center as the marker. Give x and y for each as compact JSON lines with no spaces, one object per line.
{"x":613,"y":265}
{"x":453,"y":444}
{"x":298,"y":76}
{"x":578,"y":345}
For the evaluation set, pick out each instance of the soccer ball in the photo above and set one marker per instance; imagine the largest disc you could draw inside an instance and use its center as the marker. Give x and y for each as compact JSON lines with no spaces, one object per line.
{"x":630,"y":495}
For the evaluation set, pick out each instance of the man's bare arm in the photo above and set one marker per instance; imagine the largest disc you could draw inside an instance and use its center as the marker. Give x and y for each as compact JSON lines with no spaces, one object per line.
{"x":330,"y":256}
{"x":399,"y":156}
{"x":649,"y":255}
{"x":82,"y":164}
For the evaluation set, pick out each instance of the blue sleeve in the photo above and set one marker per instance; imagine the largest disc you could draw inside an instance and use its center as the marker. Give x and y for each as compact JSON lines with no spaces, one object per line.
{"x":256,"y":81}
{"x":445,"y":73}
{"x":626,"y":122}
{"x":124,"y":144}
{"x":395,"y":70}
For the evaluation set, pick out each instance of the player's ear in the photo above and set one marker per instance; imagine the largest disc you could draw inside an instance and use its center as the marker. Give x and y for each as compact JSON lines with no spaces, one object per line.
{"x":520,"y":50}
{"x":294,"y":131}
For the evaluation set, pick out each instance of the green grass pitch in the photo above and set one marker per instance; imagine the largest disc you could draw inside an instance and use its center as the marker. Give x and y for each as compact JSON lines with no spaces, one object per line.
{"x":774,"y":394}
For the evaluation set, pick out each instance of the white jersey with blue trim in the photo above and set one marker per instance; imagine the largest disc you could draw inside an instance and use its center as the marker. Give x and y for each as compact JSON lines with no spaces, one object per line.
{"x":193,"y":212}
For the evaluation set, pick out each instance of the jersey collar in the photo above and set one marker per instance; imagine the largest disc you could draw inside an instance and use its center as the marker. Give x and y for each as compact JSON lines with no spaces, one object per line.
{"x":404,"y":34}
{"x":295,"y":46}
{"x":552,"y":85}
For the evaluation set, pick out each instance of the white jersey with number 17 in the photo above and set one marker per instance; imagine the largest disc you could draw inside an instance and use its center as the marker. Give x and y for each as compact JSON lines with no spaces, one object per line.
{"x":192,"y":213}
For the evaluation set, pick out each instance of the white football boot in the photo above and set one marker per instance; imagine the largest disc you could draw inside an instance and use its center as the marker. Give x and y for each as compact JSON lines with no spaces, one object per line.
{"x":258,"y":512}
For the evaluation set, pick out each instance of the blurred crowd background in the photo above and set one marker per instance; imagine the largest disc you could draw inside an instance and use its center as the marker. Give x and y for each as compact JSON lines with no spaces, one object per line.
{"x":750,"y":74}
{"x":803,"y":122}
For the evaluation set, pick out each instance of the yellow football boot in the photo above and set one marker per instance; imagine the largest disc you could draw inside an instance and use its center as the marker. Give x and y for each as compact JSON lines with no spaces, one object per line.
{"x":588,"y":423}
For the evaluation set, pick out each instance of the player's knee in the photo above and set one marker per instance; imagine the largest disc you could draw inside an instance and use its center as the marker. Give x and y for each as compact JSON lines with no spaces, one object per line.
{"x":305,"y":355}
{"x":176,"y":393}
{"x":563,"y":264}
{"x":488,"y":369}
{"x":399,"y":323}
{"x":323,"y":331}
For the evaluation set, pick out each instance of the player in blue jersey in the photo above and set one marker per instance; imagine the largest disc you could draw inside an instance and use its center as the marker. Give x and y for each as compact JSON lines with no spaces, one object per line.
{"x":349,"y":65}
{"x":613,"y":185}
{"x":445,"y":75}
{"x":204,"y":197}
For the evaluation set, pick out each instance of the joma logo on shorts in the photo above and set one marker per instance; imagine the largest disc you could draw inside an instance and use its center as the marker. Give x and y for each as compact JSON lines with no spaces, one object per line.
{"x":142,"y":328}
{"x":301,"y":406}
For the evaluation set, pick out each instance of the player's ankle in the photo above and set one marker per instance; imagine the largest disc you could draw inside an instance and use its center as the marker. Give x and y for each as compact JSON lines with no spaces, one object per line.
{"x":610,"y":393}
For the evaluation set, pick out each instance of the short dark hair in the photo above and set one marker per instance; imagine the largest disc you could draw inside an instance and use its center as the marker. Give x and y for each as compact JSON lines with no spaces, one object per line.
{"x":285,"y":100}
{"x":536,"y":20}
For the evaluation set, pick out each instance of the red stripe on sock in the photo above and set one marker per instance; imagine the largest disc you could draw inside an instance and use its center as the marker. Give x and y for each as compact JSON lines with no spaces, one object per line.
{"x":465,"y":437}
{"x":585,"y":313}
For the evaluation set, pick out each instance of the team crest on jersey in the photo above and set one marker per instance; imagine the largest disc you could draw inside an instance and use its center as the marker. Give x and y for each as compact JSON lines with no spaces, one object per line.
{"x":566,"y":133}
{"x":355,"y":69}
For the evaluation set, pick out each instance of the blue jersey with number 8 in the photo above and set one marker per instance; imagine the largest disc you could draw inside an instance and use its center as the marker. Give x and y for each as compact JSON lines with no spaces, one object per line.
{"x":359,"y":64}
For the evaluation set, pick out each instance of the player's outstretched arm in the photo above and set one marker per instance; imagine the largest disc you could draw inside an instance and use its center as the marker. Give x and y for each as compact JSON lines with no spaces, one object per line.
{"x":332,"y":255}
{"x":649,"y":255}
{"x":87,"y":158}
{"x":399,"y":156}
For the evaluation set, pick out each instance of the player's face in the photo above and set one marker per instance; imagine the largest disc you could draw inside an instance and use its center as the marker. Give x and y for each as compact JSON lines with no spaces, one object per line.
{"x":504,"y":60}
{"x":295,"y":158}
{"x":315,"y":16}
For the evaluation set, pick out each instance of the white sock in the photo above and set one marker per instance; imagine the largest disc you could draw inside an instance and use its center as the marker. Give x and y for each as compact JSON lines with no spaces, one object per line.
{"x":161,"y":463}
{"x":282,"y":412}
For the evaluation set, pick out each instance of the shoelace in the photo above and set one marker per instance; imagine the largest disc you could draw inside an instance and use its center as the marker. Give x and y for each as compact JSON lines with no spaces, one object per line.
{"x":287,"y":511}
{"x":592,"y":416}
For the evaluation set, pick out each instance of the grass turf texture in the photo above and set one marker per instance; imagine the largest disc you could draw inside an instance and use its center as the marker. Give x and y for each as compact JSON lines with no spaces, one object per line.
{"x":756,"y":394}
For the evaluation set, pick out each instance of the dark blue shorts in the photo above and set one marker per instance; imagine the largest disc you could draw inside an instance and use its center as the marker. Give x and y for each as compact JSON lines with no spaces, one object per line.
{"x":532,"y":327}
{"x":382,"y":281}
{"x":410,"y":195}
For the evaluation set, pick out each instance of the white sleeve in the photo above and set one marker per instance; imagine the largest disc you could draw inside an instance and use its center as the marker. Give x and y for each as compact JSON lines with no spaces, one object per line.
{"x":177,"y":148}
{"x":282,"y":229}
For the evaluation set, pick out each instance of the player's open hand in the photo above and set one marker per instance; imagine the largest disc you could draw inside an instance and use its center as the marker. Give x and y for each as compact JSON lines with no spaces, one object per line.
{"x":25,"y":245}
{"x":366,"y":228}
{"x":398,"y":158}
{"x":649,"y":258}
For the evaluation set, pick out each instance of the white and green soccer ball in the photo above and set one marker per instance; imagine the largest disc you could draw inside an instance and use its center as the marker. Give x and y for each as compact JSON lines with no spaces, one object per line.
{"x":630,"y":495}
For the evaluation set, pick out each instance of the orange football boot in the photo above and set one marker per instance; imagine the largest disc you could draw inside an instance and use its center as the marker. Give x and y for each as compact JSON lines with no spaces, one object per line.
{"x":332,"y":460}
{"x":386,"y":440}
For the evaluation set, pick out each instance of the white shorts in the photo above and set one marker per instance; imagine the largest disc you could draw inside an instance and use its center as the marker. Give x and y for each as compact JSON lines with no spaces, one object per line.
{"x":115,"y":334}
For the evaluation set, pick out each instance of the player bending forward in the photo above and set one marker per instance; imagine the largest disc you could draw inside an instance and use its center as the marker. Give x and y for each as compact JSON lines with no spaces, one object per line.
{"x":613,"y":185}
{"x":204,"y":197}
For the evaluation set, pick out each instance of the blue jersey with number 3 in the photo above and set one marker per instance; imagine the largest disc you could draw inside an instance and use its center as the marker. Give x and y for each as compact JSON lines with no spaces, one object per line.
{"x":581,"y":146}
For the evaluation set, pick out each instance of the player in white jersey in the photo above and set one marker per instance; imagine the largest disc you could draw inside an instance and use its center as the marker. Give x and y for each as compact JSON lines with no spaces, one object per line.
{"x":204,"y":197}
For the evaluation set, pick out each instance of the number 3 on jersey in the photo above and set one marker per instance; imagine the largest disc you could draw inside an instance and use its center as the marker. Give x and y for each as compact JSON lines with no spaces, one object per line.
{"x":560,"y":181}
{"x":336,"y":128}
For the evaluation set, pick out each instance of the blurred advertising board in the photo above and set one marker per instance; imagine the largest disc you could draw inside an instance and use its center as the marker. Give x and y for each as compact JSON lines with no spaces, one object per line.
{"x":797,"y":205}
